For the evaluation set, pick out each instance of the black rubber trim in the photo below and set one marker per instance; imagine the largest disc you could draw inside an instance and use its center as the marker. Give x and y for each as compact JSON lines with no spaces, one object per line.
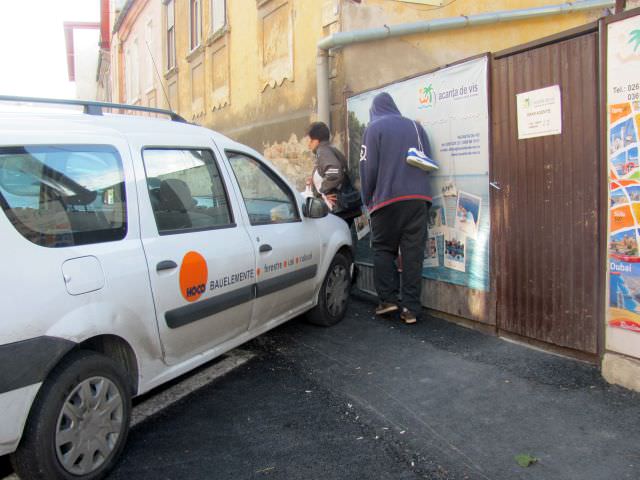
{"x":182,"y":316}
{"x":29,"y":361}
{"x":281,"y":282}
{"x":197,"y":311}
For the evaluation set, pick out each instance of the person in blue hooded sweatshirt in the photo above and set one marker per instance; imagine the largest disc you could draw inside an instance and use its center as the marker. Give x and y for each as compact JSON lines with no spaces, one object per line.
{"x":398,"y":198}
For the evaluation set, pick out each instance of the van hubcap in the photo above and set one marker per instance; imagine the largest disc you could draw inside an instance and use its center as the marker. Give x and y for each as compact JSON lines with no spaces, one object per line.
{"x":337,"y":290}
{"x":89,"y":425}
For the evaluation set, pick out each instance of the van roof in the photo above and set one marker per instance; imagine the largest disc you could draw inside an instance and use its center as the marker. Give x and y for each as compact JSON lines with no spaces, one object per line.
{"x":107,"y":124}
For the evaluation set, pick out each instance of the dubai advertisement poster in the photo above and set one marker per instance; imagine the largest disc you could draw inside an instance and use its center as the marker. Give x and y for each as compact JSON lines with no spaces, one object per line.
{"x":623,"y":107}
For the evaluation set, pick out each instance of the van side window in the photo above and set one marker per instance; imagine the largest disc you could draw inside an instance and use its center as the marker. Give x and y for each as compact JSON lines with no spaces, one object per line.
{"x":186,"y":190}
{"x":267,"y":198}
{"x":64,"y":195}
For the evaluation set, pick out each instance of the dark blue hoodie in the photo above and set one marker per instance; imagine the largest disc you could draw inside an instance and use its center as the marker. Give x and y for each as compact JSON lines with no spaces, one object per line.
{"x":385,"y":175}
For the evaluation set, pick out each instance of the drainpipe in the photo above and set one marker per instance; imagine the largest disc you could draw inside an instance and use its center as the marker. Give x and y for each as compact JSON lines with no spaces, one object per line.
{"x":341,"y":39}
{"x":322,"y":72}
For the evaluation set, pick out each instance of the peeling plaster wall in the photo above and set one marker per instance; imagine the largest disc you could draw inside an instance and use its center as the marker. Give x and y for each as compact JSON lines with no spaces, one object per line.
{"x":292,"y":158}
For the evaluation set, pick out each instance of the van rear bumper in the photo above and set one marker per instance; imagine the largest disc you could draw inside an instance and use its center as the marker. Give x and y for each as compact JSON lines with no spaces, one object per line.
{"x":15,"y":406}
{"x":25,"y":365}
{"x":30,"y":361}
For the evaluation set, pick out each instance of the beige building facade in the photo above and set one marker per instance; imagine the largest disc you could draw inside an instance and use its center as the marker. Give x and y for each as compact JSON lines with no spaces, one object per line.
{"x":136,"y":54}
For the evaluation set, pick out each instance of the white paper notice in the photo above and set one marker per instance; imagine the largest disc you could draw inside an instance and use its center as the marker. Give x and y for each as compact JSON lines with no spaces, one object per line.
{"x":539,"y":112}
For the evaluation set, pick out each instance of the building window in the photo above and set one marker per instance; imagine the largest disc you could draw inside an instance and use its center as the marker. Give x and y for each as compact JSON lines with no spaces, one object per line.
{"x":127,"y":74}
{"x":135,"y":72}
{"x":218,"y":14}
{"x":275,"y":42}
{"x":149,"y":54}
{"x":171,"y":36}
{"x":196,"y":23}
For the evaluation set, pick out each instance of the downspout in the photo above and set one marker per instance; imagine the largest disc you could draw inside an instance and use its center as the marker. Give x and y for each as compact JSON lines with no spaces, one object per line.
{"x":341,"y":39}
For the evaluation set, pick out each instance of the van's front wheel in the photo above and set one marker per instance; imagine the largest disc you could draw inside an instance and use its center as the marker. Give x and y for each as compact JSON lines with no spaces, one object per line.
{"x":334,"y":293}
{"x":79,"y":422}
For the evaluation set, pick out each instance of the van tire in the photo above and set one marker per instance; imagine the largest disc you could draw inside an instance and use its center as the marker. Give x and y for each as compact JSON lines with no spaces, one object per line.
{"x":66,"y":401}
{"x":334,"y":293}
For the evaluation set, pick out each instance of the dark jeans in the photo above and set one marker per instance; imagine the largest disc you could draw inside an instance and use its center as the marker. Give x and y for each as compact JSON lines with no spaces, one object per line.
{"x":399,"y":225}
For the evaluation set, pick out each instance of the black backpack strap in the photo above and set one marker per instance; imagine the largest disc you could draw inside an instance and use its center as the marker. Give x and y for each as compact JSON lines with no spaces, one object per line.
{"x":345,"y":167}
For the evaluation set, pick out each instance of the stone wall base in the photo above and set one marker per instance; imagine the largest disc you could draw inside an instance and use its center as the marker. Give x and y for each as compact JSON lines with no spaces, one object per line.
{"x":621,"y":370}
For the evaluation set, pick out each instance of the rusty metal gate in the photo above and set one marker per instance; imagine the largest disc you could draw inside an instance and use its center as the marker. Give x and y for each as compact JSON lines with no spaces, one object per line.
{"x":546,"y":200}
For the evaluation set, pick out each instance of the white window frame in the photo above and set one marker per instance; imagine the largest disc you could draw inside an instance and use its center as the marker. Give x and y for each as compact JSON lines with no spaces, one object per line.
{"x":195,"y":31}
{"x":128,"y":83}
{"x":170,"y":32}
{"x":135,"y":71}
{"x":216,"y":26}
{"x":148,"y":49}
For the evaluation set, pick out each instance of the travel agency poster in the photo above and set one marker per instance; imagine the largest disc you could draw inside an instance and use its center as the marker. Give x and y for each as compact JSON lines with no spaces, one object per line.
{"x":623,"y":107}
{"x":452,"y":105}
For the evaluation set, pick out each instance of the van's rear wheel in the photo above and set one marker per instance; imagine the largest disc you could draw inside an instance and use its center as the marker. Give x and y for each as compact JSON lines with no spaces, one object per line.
{"x":79,"y":422}
{"x":334,"y":293}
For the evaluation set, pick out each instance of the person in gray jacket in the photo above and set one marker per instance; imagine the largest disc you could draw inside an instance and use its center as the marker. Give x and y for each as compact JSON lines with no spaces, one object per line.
{"x":328,"y":168}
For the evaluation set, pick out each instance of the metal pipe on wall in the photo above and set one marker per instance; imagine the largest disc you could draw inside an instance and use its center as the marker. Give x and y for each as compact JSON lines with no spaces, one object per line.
{"x":341,"y":39}
{"x":322,"y":72}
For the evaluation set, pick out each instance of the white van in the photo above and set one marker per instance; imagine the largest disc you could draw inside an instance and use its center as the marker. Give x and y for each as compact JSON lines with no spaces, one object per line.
{"x":133,"y":250}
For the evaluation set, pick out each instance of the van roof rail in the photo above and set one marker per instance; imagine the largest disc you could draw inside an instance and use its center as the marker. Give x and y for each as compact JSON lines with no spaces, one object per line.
{"x":92,"y":107}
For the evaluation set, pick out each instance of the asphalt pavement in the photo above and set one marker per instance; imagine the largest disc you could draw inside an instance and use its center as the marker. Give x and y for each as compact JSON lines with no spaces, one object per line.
{"x":372,"y":398}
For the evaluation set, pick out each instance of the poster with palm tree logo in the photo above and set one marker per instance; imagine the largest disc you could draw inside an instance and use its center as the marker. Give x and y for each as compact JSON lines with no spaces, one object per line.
{"x":623,"y":108}
{"x":452,"y":106}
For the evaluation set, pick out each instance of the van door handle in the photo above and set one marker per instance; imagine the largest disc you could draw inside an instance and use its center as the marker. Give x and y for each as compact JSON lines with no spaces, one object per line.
{"x":166,"y":265}
{"x":265,"y":248}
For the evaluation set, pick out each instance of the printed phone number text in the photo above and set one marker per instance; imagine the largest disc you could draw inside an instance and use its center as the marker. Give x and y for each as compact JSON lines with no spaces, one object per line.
{"x":632,"y":90}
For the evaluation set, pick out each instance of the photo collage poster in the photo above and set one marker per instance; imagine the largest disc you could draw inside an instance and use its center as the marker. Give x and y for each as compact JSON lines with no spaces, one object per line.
{"x":452,"y":105}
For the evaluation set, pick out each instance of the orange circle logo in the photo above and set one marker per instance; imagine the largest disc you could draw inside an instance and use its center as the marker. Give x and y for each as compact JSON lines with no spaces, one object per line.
{"x":193,"y":276}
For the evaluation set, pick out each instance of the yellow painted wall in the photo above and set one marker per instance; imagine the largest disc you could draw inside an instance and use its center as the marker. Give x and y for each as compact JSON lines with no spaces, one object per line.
{"x":273,"y":119}
{"x":373,"y":64}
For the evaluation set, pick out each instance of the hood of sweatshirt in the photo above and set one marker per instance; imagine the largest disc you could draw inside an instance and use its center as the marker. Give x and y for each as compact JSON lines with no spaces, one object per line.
{"x":383,"y":105}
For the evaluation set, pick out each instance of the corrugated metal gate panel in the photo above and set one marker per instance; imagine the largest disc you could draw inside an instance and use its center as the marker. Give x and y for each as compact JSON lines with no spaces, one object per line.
{"x":545,"y":217}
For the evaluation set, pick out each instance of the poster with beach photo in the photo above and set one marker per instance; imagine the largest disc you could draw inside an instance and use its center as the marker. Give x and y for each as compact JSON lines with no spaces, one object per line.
{"x":432,"y":252}
{"x":468,"y":214}
{"x":455,"y":250}
{"x":437,"y":214}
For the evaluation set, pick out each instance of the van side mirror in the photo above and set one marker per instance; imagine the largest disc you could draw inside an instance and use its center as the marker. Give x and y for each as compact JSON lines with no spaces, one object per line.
{"x":314,"y":208}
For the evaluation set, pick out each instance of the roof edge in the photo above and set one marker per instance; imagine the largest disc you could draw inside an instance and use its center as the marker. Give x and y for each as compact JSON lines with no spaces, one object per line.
{"x":123,"y":14}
